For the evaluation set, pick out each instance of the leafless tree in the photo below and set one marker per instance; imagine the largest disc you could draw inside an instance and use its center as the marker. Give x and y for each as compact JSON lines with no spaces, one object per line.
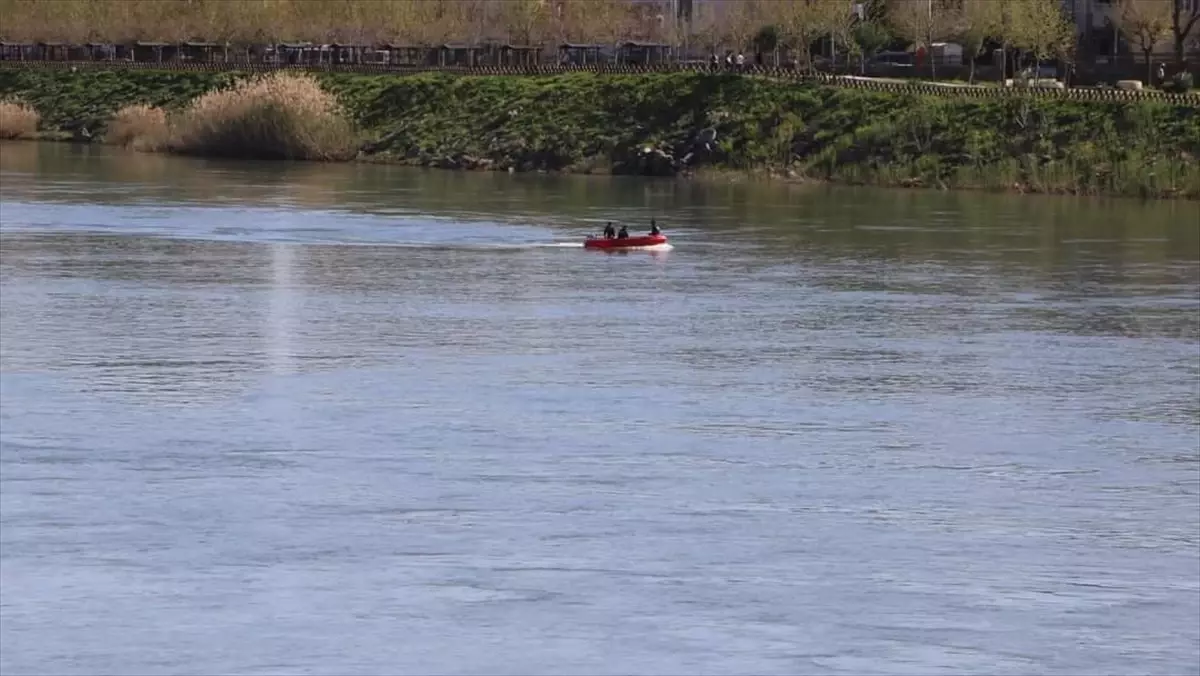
{"x":924,"y":22}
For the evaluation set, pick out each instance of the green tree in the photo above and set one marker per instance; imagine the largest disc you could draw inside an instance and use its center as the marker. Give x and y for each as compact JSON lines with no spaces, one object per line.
{"x":980,"y":20}
{"x":867,"y":38}
{"x":766,"y":41}
{"x":1041,"y":28}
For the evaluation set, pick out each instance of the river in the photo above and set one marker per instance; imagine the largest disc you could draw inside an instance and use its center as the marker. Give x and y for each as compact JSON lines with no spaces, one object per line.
{"x":260,"y":418}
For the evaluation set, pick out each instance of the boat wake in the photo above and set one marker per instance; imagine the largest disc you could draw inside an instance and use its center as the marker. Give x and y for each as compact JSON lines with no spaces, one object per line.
{"x":452,"y":246}
{"x":665,"y":246}
{"x":524,"y":246}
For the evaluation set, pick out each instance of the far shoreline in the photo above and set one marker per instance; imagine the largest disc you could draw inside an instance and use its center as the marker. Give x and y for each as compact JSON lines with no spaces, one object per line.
{"x":715,"y":127}
{"x":705,"y":176}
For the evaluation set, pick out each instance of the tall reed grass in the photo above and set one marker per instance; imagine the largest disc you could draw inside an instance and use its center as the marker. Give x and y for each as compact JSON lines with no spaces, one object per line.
{"x":140,"y":127}
{"x":18,"y":120}
{"x":283,"y":116}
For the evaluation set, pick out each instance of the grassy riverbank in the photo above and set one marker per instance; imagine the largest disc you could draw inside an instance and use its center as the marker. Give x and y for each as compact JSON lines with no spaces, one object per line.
{"x":649,"y":123}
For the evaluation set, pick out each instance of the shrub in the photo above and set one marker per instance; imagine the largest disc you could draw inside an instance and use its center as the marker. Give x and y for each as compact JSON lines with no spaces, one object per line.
{"x":140,"y":127}
{"x":1180,"y":83}
{"x":18,"y":120}
{"x":277,"y":116}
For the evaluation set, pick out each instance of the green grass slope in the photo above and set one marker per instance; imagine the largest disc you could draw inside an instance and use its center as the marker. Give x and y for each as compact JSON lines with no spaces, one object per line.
{"x":589,"y":122}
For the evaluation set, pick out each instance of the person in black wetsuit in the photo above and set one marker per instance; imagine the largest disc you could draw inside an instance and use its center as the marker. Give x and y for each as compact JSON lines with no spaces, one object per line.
{"x":609,"y":231}
{"x":623,"y":233}
{"x":654,"y":229}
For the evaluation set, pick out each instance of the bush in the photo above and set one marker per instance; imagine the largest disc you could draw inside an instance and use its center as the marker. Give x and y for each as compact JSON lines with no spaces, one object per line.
{"x":139,"y":126}
{"x":1180,"y":83}
{"x":282,"y":116}
{"x":18,"y":120}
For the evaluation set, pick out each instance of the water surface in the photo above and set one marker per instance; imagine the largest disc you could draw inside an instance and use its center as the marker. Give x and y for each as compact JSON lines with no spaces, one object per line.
{"x":260,"y":418}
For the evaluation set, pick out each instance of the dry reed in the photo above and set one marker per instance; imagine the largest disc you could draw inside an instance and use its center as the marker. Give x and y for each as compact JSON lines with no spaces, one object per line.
{"x":140,"y":127}
{"x":276,"y":116}
{"x":18,"y":120}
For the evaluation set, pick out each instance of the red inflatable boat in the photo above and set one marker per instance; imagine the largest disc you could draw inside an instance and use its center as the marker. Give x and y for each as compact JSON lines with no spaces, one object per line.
{"x":626,"y":243}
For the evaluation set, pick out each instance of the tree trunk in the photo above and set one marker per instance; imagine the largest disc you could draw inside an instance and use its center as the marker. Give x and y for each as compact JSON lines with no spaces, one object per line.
{"x":1181,"y":28}
{"x":929,"y":54}
{"x":1149,"y":66}
{"x":971,"y":73}
{"x":1003,"y":62}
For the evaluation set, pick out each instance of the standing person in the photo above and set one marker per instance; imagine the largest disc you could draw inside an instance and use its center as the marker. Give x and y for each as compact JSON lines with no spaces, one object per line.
{"x":609,"y":232}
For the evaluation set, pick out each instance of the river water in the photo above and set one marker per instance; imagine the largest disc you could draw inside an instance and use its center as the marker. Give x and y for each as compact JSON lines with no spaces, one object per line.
{"x":260,"y":418}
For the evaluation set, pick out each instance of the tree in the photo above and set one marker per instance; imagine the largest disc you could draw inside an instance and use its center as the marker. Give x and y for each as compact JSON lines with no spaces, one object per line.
{"x":742,"y":19}
{"x":867,"y":38}
{"x":213,"y":23}
{"x":1041,"y":28}
{"x":352,"y":22}
{"x":654,"y":23}
{"x":980,"y":20}
{"x":708,"y":25}
{"x":526,"y":21}
{"x":569,"y":20}
{"x":766,"y":41}
{"x":1007,"y":29}
{"x":924,"y":22}
{"x":801,"y":22}
{"x":435,"y":24}
{"x":399,"y":22}
{"x":1185,"y":14}
{"x":840,"y":20}
{"x":1145,"y":23}
{"x":607,"y":22}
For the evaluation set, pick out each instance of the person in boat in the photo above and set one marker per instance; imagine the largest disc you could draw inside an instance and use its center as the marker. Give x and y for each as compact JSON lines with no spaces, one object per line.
{"x":623,"y":233}
{"x":654,"y":229}
{"x":609,"y":231}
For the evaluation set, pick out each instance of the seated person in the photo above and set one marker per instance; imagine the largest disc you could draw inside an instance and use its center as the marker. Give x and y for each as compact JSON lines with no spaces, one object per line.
{"x":623,"y":233}
{"x":654,"y":229}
